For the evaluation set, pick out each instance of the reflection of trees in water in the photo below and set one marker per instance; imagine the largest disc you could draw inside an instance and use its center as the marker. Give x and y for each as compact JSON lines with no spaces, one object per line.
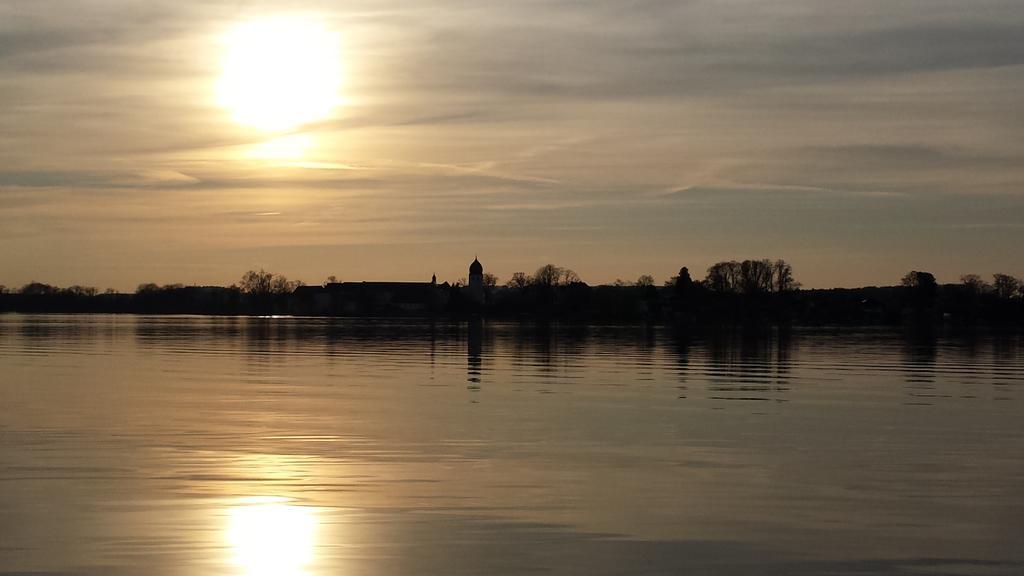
{"x":783,"y":353}
{"x":920,"y":352}
{"x":1008,"y":348}
{"x":681,"y":347}
{"x":970,"y":358}
{"x":547,"y":344}
{"x":542,"y":352}
{"x":268,"y":339}
{"x":645,"y":346}
{"x":544,"y":356}
{"x":749,"y":364}
{"x":996,"y":356}
{"x":64,"y":332}
{"x":474,"y":356}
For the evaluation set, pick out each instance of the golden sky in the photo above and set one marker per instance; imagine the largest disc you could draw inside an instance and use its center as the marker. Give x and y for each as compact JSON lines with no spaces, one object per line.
{"x":857,"y":140}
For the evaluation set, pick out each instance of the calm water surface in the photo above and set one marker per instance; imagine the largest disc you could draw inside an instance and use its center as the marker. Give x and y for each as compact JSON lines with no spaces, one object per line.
{"x":170,"y":445}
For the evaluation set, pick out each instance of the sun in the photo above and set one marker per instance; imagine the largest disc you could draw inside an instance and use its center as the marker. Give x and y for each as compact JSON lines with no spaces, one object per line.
{"x":280,"y":73}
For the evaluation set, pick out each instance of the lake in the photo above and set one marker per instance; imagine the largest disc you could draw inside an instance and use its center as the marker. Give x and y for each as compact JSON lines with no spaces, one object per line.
{"x":287,"y":446}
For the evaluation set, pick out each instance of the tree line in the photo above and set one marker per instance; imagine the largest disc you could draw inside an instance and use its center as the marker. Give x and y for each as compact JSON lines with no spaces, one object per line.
{"x":760,"y":290}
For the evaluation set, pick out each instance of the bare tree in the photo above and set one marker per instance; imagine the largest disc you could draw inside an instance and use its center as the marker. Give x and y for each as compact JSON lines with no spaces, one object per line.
{"x":38,"y":289}
{"x":280,"y":285}
{"x":263,"y":283}
{"x":750,"y":277}
{"x":782,"y":276}
{"x":519,"y":281}
{"x":490,"y":280}
{"x":975,"y":284}
{"x":548,"y":275}
{"x":1006,"y":286}
{"x":645,"y":280}
{"x":756,"y":276}
{"x":254,"y":282}
{"x":77,"y":290}
{"x":723,"y":277}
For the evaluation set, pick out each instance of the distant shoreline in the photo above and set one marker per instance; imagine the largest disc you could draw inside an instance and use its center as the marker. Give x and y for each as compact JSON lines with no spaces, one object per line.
{"x":755,"y":292}
{"x":892,"y":306}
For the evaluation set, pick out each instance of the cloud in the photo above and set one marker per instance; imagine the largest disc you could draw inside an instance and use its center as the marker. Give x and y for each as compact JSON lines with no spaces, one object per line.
{"x":645,"y":50}
{"x":95,"y":179}
{"x":668,"y":128}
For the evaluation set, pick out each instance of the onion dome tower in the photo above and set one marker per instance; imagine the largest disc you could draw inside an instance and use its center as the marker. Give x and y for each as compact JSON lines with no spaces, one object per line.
{"x":476,"y":274}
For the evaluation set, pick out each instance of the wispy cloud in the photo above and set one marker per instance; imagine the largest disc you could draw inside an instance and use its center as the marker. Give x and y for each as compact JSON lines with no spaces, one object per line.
{"x":679,"y":130}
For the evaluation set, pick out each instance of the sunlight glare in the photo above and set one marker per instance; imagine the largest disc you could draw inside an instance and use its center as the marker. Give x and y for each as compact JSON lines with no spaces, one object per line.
{"x":280,"y":73}
{"x":291,"y":147}
{"x":271,"y":538}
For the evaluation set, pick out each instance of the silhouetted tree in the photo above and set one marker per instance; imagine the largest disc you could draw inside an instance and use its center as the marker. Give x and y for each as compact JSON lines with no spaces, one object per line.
{"x":38,"y":289}
{"x":723,"y":277}
{"x":265,"y":290}
{"x":332,"y":279}
{"x":974,"y":284}
{"x":261,"y":282}
{"x":1006,"y":286}
{"x":756,"y":276}
{"x":547,"y":275}
{"x":685,"y":295}
{"x":281,"y":285}
{"x":922,"y":289}
{"x":750,"y":277}
{"x":519,"y":281}
{"x":783,"y":280}
{"x":550,"y":275}
{"x":682,"y":282}
{"x":490,"y":280}
{"x":967,"y":301}
{"x":649,"y":295}
{"x":254,"y":282}
{"x":81,"y":290}
{"x":915,"y":279}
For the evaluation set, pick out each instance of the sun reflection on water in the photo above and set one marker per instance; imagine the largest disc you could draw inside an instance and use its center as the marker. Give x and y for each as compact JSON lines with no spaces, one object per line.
{"x":270,"y":537}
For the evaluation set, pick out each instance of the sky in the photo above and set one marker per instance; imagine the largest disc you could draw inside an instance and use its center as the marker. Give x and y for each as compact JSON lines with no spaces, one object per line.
{"x":855,"y":139}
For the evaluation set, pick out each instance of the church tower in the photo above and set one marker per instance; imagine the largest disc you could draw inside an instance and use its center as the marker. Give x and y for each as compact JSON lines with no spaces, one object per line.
{"x":476,"y":275}
{"x":475,"y":292}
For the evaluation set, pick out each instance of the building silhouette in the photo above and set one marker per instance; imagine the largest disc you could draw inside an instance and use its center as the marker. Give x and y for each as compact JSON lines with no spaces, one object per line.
{"x":366,"y":298}
{"x":386,"y":298}
{"x":476,"y":274}
{"x":475,"y":290}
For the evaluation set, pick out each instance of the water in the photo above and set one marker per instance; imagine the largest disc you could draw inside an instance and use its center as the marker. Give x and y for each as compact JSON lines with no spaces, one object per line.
{"x":171,"y":445}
